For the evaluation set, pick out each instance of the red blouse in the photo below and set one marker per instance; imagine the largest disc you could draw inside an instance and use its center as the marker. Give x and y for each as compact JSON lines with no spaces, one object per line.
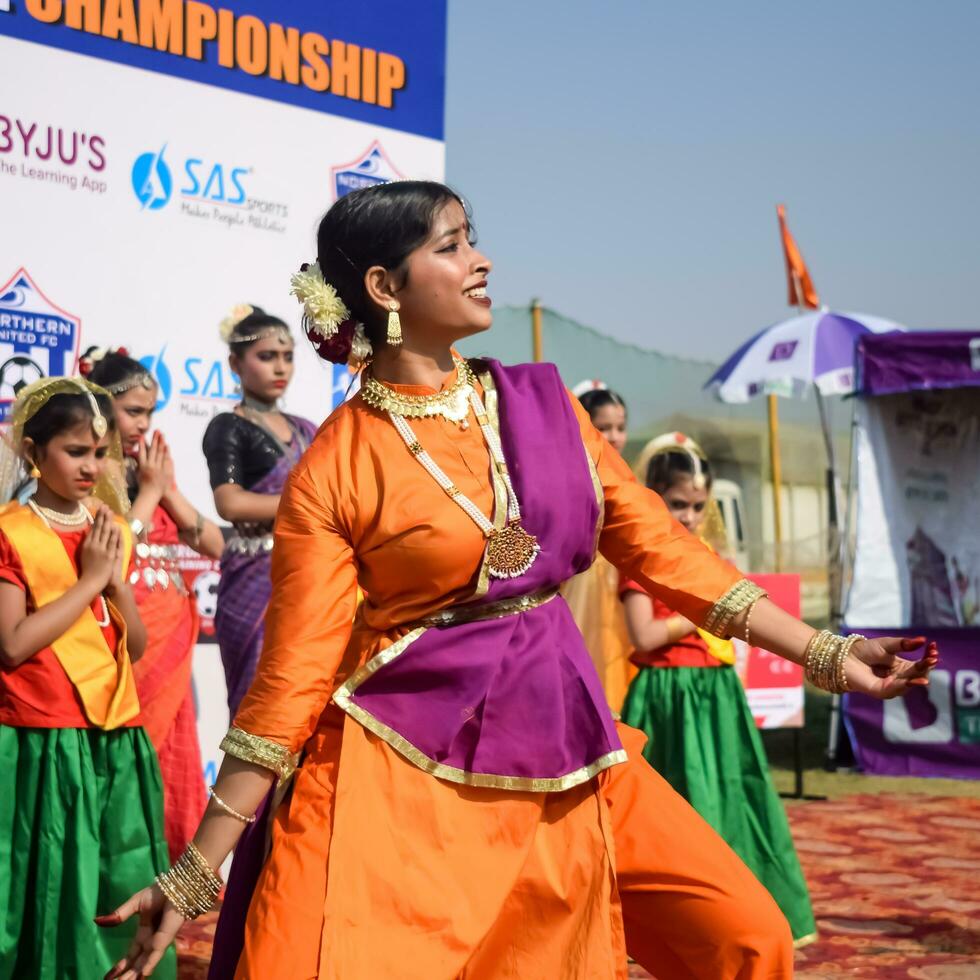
{"x":37,"y":693}
{"x":689,"y":651}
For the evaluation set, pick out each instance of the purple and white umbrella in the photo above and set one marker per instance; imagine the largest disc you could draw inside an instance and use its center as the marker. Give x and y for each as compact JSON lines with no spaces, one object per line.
{"x":814,"y":348}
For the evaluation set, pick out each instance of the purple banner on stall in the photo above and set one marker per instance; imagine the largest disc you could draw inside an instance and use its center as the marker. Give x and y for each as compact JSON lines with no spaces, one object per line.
{"x":920,"y":360}
{"x":934,"y":731}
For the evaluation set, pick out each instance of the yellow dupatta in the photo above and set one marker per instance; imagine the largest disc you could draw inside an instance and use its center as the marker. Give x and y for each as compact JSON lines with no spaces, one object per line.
{"x":102,"y":677}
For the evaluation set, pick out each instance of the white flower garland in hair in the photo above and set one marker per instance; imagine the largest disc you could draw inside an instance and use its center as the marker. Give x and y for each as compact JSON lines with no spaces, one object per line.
{"x":360,"y":348}
{"x":238,"y":313}
{"x":323,"y":309}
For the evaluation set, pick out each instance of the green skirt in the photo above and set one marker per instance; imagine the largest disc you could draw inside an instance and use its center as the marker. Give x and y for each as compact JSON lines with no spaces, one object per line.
{"x":704,"y":742}
{"x":81,"y":829}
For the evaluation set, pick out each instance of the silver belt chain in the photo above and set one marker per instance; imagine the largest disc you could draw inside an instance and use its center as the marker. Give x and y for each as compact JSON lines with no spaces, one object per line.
{"x":156,"y":565}
{"x":251,"y":546}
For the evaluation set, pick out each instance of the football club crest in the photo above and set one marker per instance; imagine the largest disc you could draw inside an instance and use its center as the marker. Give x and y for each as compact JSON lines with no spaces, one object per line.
{"x":37,"y":338}
{"x":372,"y":167}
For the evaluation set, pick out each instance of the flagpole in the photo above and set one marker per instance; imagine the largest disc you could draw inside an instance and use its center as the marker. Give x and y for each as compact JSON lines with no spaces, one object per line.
{"x":537,"y":338}
{"x":776,"y":473}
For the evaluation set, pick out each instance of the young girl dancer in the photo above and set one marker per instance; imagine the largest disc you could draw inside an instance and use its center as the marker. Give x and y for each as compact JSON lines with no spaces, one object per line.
{"x":689,"y":702}
{"x":250,"y":452}
{"x":465,"y":805}
{"x":161,"y":518}
{"x":81,"y":817}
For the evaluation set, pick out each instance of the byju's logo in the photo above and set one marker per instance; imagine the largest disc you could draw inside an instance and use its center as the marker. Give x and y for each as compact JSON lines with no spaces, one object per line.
{"x":152,"y":182}
{"x":370,"y":168}
{"x":37,"y":338}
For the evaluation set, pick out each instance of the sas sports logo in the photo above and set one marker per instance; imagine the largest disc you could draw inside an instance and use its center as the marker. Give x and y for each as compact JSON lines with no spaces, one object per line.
{"x":372,"y":167}
{"x":153,"y":183}
{"x":200,"y":180}
{"x":37,"y":338}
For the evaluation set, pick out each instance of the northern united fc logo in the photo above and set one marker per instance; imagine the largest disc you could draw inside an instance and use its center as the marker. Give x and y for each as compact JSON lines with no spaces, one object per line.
{"x":370,"y":168}
{"x":37,"y":338}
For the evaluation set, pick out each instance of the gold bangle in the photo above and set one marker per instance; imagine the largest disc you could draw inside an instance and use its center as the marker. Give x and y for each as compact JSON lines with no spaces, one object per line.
{"x":825,"y":660}
{"x":735,"y":600}
{"x":748,"y":617}
{"x":230,"y":810}
{"x":260,"y":752}
{"x":191,"y":885}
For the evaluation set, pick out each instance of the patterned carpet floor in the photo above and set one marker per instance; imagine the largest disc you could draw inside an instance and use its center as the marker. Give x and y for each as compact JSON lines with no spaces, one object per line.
{"x":895,"y":881}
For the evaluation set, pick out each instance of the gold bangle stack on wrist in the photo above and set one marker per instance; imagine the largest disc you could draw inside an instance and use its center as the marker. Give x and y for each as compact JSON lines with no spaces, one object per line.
{"x":191,"y":885}
{"x":825,"y":660}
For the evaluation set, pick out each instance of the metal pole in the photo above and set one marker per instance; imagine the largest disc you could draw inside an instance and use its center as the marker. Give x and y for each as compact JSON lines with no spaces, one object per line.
{"x":776,"y":470}
{"x":537,"y":338}
{"x":834,"y":514}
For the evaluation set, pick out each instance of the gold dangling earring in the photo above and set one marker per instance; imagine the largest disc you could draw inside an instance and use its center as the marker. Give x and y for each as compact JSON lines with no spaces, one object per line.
{"x":35,"y":473}
{"x":394,"y":337}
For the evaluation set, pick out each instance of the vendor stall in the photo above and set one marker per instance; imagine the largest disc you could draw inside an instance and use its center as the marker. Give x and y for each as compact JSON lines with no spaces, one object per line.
{"x":915,"y":564}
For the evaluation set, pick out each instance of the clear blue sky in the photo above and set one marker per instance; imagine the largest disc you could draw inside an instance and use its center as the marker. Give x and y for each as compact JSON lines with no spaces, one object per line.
{"x":624,"y":158}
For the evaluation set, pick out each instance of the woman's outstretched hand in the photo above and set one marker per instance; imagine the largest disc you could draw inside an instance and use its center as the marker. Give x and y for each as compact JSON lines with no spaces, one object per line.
{"x":159,"y":922}
{"x":876,"y":667}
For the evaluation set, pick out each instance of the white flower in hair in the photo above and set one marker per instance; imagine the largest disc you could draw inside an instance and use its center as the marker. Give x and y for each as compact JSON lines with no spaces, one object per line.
{"x":360,"y":348}
{"x":238,"y":313}
{"x":323,"y":309}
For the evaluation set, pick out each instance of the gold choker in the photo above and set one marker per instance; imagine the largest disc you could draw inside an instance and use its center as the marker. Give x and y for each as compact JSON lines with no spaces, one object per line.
{"x":452,"y":404}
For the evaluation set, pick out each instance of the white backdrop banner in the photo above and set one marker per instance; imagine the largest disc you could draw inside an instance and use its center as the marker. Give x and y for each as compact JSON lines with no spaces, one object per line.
{"x":917,"y":559}
{"x":162,"y":161}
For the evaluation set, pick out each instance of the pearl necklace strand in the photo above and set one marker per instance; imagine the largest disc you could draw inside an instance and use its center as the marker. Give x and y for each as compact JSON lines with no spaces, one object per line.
{"x":82,"y":516}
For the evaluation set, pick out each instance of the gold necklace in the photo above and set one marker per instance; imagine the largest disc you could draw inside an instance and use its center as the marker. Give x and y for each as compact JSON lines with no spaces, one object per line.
{"x":453,"y":404}
{"x":511,"y":550}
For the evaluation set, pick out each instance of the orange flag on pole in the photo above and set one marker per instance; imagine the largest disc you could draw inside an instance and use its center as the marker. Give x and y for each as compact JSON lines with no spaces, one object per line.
{"x":801,"y":290}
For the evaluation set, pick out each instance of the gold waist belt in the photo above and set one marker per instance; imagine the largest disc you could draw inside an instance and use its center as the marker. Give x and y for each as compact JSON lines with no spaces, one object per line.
{"x":455,"y":615}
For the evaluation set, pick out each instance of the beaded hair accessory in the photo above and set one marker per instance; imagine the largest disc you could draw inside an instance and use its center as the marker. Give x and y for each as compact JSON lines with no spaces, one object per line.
{"x":677,"y":442}
{"x":95,"y":355}
{"x":138,"y":379}
{"x":239,"y":313}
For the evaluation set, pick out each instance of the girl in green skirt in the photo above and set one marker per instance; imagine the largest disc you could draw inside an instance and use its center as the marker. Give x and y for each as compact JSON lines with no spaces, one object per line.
{"x":81,"y":812}
{"x":689,"y":701}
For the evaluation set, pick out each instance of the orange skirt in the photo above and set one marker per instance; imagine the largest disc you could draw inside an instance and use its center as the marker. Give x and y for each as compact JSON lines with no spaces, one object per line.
{"x":379,"y":870}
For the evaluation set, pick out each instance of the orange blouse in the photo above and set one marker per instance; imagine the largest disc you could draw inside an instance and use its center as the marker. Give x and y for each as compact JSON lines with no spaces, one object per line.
{"x":359,"y":509}
{"x":37,"y":693}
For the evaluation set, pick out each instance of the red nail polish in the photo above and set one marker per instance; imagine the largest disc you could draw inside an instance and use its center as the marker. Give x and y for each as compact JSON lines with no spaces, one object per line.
{"x":105,"y":921}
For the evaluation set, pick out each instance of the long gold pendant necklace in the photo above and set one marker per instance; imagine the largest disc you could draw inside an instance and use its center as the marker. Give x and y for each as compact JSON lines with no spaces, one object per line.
{"x":511,"y":550}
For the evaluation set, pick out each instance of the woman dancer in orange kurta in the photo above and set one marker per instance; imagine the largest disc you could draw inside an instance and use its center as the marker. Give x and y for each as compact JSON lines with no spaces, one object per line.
{"x":438,"y":827}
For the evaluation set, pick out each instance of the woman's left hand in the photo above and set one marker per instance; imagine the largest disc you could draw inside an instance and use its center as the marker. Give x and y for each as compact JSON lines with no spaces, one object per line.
{"x":876,"y":668}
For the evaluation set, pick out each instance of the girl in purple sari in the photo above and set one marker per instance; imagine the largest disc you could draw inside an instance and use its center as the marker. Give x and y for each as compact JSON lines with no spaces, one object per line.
{"x":250,"y":452}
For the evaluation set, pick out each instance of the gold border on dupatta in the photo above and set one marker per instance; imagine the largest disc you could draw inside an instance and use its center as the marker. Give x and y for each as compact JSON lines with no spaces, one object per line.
{"x":342,"y":697}
{"x":600,"y":497}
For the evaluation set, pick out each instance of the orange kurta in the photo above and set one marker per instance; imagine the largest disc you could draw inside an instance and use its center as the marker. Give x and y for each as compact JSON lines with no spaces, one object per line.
{"x":593,"y":599}
{"x":378,"y":869}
